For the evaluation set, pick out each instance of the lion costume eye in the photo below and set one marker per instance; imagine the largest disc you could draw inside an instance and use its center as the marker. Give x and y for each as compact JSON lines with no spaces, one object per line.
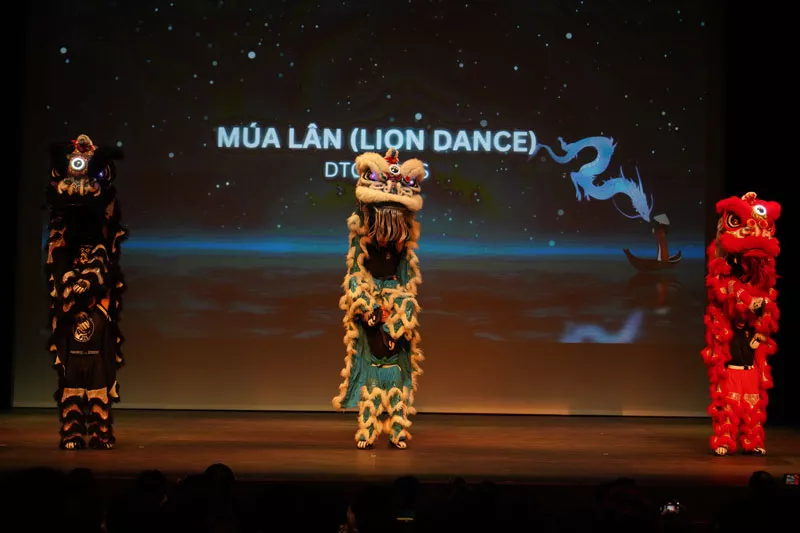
{"x":78,"y":164}
{"x":372,"y":176}
{"x":733,"y":221}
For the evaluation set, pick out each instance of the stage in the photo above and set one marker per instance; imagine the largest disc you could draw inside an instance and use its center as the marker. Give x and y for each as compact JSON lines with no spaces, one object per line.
{"x":268,"y":446}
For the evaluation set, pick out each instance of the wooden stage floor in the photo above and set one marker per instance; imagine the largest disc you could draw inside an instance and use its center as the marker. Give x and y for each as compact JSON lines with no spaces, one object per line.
{"x":320,"y":447}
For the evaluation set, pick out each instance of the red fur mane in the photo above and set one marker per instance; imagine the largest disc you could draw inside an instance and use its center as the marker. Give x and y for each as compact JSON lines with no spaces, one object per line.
{"x":741,"y":270}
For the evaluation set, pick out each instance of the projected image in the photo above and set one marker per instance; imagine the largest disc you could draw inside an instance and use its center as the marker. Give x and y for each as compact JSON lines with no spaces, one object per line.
{"x":565,"y":147}
{"x":546,"y":166}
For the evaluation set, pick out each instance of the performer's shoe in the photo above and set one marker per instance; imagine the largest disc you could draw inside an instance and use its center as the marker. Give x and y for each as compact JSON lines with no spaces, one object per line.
{"x":756,"y":451}
{"x":400,"y":443}
{"x":98,"y":444}
{"x":721,"y":451}
{"x":72,"y":443}
{"x":364,"y":445}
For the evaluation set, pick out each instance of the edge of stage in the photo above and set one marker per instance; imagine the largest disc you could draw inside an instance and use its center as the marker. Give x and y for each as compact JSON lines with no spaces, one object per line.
{"x":549,"y":462}
{"x":279,"y":446}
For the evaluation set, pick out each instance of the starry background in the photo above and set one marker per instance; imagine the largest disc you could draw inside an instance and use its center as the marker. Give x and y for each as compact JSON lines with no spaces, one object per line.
{"x":158,"y":78}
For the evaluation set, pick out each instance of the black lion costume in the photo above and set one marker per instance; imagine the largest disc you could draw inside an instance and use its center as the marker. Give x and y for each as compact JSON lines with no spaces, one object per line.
{"x":85,"y":284}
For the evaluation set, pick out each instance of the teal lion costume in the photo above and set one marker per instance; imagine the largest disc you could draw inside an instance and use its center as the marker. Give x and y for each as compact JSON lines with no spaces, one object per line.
{"x":380,"y":299}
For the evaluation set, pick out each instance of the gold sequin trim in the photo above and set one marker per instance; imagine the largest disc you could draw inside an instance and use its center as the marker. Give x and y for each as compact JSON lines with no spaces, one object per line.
{"x":752,"y":399}
{"x":98,"y":394}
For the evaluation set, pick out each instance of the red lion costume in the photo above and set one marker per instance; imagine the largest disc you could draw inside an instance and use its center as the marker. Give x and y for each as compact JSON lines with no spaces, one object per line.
{"x":740,"y":319}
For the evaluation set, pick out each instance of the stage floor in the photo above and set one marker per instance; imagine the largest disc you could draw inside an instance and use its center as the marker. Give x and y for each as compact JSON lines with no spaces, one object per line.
{"x":270,"y":446}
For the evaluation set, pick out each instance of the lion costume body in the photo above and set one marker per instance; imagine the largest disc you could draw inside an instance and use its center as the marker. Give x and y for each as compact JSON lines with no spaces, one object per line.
{"x":380,"y":299}
{"x":740,"y":319}
{"x":85,"y":285}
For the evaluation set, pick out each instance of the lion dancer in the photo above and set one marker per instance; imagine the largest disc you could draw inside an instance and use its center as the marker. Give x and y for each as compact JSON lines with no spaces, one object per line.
{"x":380,"y":299}
{"x":741,"y":318}
{"x":85,"y":285}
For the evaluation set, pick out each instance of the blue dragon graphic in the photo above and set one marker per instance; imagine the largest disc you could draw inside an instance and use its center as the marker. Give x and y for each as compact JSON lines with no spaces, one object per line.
{"x":584,"y":178}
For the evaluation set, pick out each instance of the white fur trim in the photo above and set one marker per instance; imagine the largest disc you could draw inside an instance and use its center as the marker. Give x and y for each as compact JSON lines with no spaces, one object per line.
{"x":413,"y":168}
{"x":371,"y":161}
{"x":373,"y":196}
